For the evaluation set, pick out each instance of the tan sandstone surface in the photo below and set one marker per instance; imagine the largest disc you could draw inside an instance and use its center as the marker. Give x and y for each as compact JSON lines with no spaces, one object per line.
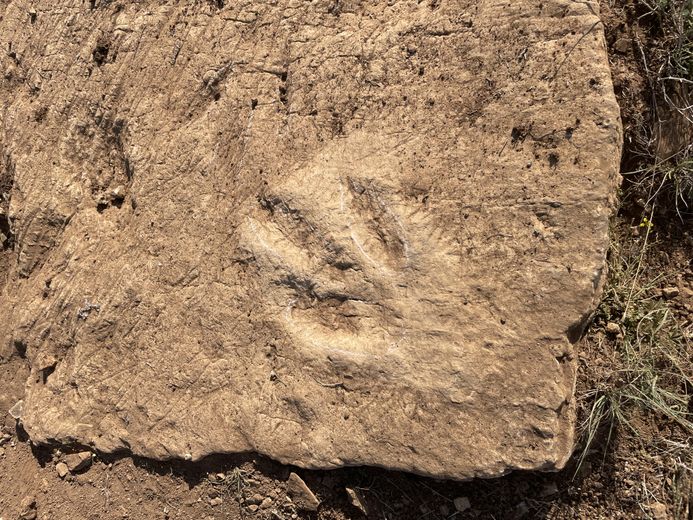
{"x":331,"y":232}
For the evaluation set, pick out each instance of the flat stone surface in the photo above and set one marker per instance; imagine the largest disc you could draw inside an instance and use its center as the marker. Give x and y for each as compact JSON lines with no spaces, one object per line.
{"x":300,"y":493}
{"x":335,"y":233}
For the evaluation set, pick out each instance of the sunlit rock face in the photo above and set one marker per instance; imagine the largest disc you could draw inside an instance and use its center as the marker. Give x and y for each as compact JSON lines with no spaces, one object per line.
{"x":335,"y":233}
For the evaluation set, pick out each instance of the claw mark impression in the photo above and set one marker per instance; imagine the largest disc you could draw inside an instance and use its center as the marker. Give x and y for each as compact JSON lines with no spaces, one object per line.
{"x":345,"y":273}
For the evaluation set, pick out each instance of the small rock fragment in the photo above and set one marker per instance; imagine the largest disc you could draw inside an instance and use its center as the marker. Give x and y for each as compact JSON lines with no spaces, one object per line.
{"x":622,"y":45}
{"x":301,"y":494}
{"x":28,"y":509}
{"x":658,"y":511}
{"x":16,"y":410}
{"x":462,"y":504}
{"x":62,"y":469}
{"x":118,"y":194}
{"x":670,"y":292}
{"x":252,"y":508}
{"x":216,"y":501}
{"x":613,"y":329}
{"x":78,"y":461}
{"x":256,"y":499}
{"x":357,"y":500}
{"x":266,"y":503}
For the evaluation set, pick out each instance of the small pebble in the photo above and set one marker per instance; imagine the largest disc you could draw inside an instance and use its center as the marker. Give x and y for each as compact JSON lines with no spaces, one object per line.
{"x":255,"y":499}
{"x":670,"y":292}
{"x":216,"y":501}
{"x":62,"y":469}
{"x":613,"y":328}
{"x":266,"y":503}
{"x":659,"y":511}
{"x":462,"y":504}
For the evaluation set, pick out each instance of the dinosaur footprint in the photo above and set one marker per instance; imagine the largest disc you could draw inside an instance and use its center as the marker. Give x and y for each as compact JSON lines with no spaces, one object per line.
{"x":349,"y":266}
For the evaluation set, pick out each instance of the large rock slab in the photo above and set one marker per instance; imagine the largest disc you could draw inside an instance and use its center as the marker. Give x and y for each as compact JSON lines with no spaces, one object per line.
{"x":332,"y":232}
